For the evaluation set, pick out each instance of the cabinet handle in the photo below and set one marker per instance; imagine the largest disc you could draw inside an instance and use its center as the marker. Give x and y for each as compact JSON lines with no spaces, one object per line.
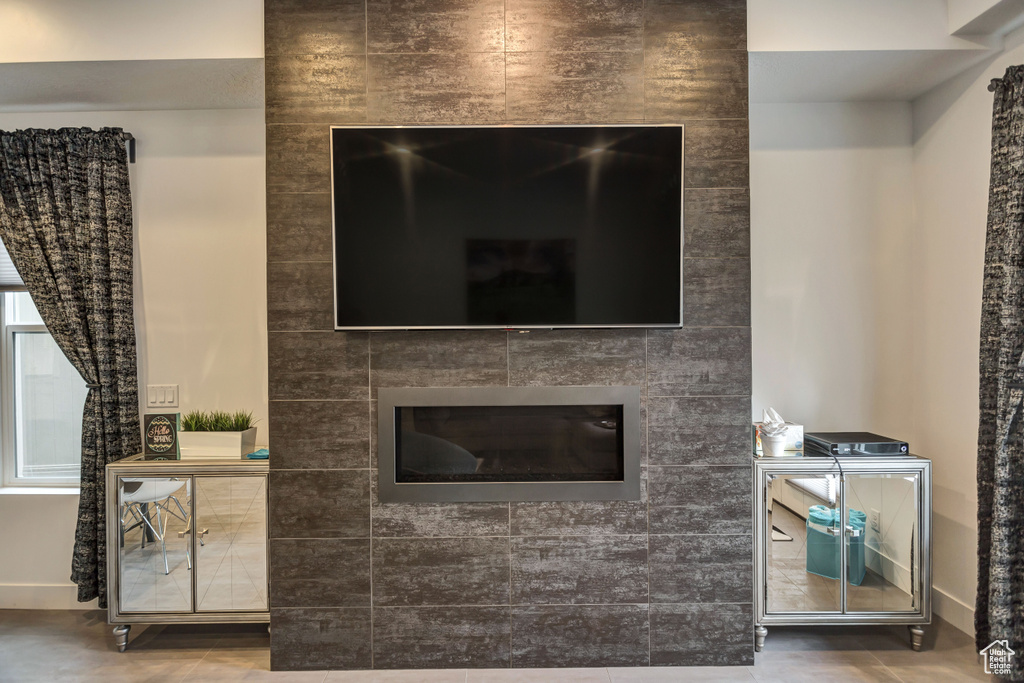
{"x":188,"y":528}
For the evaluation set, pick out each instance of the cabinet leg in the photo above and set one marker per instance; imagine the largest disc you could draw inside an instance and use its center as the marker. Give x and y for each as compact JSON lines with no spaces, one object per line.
{"x":760,"y":633}
{"x":916,"y":637}
{"x":121,"y":636}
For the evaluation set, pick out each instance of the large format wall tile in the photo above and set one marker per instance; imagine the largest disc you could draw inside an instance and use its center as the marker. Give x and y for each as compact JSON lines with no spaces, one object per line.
{"x":441,"y":637}
{"x":438,"y":359}
{"x":299,"y":227}
{"x":433,"y":88}
{"x":605,"y":87}
{"x":321,"y":88}
{"x":315,"y":639}
{"x":702,"y":635}
{"x":320,"y":435}
{"x":717,"y":153}
{"x":302,"y":27}
{"x":318,"y":365}
{"x":581,"y":518}
{"x":579,"y":569}
{"x":701,"y":569}
{"x":424,"y":520}
{"x":699,"y":431}
{"x":574,"y":26}
{"x":320,"y":572}
{"x":712,"y":361}
{"x":577,"y":357}
{"x":580,"y":636}
{"x":298,"y":158}
{"x":300,"y":296}
{"x":320,"y":504}
{"x":716,"y":292}
{"x":442,"y":26}
{"x":704,"y":84}
{"x":680,"y":25}
{"x":700,"y":500}
{"x":440,"y":571}
{"x":719,"y":223}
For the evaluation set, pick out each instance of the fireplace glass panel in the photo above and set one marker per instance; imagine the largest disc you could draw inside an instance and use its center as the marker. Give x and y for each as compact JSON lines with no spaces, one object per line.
{"x":524,"y":443}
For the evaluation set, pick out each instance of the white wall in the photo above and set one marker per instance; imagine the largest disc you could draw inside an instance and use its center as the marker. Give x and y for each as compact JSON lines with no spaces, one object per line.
{"x":831,"y":25}
{"x":831,"y":210}
{"x":877,"y":213}
{"x":952,"y":151}
{"x":100,"y":30}
{"x":198,"y":190}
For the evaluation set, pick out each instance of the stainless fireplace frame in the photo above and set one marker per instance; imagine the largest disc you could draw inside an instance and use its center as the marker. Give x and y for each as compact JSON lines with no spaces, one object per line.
{"x":389,"y":491}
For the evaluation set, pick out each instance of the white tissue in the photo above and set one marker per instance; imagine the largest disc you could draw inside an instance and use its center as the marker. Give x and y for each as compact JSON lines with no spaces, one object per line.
{"x":772,"y":423}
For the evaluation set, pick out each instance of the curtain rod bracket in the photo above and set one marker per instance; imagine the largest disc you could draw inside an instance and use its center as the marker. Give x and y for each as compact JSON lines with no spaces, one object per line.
{"x":129,"y":143}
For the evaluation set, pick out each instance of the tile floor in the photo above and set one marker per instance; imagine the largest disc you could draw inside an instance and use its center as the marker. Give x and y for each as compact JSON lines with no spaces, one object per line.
{"x":78,"y":646}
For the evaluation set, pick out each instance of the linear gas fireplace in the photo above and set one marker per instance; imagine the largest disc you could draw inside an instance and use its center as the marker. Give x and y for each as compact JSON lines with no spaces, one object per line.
{"x":509,"y":443}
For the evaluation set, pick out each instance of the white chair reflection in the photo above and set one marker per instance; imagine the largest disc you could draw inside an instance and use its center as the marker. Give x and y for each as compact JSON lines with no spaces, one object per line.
{"x":145,"y":501}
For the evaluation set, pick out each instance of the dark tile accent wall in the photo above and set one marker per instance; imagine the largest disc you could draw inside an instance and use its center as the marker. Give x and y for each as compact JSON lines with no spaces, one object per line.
{"x":661,"y":581}
{"x":580,"y":635}
{"x":440,"y":637}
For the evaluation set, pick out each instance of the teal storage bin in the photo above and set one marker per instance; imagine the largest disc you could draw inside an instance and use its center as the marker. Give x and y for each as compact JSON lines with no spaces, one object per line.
{"x":823,"y":547}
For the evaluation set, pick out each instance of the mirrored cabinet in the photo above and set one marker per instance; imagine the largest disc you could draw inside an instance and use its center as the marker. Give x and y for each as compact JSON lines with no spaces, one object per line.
{"x":186,"y":542}
{"x":842,"y":541}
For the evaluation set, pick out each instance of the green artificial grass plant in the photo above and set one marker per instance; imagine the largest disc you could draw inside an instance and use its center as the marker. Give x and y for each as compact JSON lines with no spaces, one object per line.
{"x":216,"y":421}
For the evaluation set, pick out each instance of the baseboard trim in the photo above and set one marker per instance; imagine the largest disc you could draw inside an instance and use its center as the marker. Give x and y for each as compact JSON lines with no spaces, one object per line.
{"x":41,"y":596}
{"x":954,"y":611}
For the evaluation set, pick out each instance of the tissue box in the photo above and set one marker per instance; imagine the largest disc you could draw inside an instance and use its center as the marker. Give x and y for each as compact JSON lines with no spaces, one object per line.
{"x":794,"y":438}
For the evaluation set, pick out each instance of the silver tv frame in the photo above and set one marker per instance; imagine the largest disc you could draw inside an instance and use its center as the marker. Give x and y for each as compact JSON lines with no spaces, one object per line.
{"x":546,"y":326}
{"x":390,"y":491}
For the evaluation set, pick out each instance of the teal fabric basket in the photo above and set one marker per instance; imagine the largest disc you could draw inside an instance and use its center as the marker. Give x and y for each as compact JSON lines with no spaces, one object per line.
{"x":823,"y":547}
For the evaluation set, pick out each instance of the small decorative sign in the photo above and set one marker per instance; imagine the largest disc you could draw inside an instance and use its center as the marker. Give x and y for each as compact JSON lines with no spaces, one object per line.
{"x":160,"y":440}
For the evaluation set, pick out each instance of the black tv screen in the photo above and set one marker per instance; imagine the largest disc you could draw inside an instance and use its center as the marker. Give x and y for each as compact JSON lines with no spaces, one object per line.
{"x":507,"y":227}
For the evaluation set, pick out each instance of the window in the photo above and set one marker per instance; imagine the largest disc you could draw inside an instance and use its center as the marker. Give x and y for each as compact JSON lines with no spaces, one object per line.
{"x":42,"y":397}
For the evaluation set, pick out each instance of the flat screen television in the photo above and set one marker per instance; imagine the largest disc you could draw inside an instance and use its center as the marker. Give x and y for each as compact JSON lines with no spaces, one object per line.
{"x":507,"y":227}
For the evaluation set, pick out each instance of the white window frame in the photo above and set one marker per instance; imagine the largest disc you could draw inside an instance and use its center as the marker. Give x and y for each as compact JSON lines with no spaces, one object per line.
{"x":8,"y":419}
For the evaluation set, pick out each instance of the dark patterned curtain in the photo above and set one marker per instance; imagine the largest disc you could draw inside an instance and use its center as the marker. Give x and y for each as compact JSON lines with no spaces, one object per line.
{"x":66,"y":219}
{"x":999,"y":612}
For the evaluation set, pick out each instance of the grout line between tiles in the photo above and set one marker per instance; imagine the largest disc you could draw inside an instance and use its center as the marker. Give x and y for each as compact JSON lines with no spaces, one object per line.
{"x":643,"y":69}
{"x":369,"y":389}
{"x":195,"y":665}
{"x":647,"y":434}
{"x":509,"y":585}
{"x":880,"y":662}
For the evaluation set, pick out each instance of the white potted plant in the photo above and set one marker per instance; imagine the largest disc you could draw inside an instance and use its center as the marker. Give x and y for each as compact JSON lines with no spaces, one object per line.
{"x":216,"y":434}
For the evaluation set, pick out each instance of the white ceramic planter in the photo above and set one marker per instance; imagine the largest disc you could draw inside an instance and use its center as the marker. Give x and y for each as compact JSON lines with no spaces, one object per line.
{"x":217,"y":445}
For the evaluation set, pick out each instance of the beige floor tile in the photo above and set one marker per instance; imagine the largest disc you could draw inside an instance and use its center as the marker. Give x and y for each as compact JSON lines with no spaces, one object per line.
{"x":398,"y":676}
{"x":818,"y":673}
{"x":936,"y":673}
{"x":537,"y":676}
{"x":681,"y":674}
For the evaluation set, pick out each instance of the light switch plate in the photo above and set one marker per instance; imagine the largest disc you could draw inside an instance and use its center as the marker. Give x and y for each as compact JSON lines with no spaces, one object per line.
{"x":161,"y":395}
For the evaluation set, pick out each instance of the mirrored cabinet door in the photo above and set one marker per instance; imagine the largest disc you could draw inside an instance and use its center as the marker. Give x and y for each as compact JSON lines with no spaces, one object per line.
{"x":231,"y":543}
{"x":884,"y":541}
{"x":154,"y":550}
{"x":801,"y":546}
